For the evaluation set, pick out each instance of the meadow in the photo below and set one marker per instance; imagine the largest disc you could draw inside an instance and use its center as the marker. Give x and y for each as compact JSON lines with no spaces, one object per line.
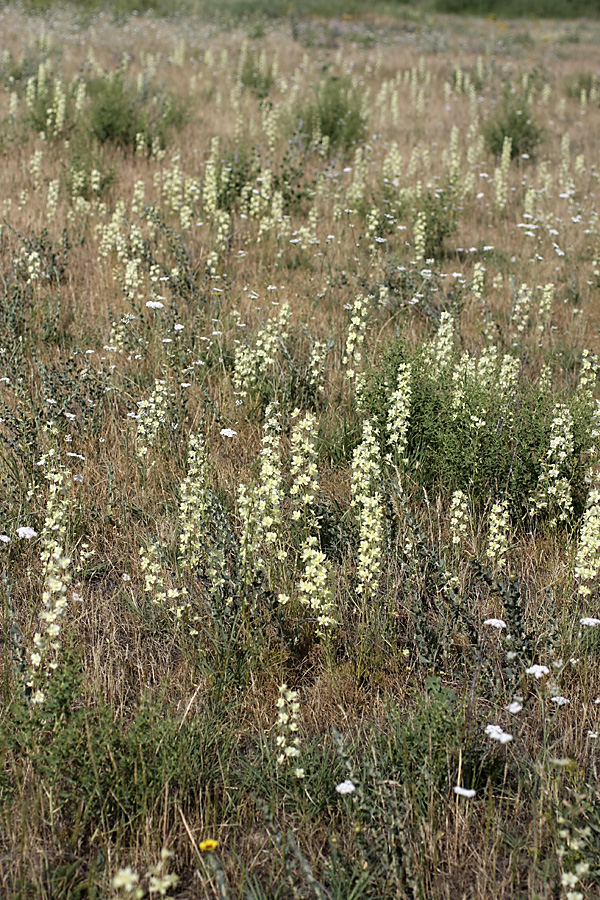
{"x":299,"y":460}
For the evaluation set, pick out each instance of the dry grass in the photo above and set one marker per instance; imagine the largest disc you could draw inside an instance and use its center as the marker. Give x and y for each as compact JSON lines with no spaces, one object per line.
{"x":158,"y":731}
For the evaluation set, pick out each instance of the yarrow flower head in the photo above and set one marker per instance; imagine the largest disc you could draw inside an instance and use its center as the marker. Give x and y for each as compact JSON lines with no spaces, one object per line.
{"x":125,"y":879}
{"x":496,"y":734}
{"x":537,"y":671}
{"x":495,"y":623}
{"x":26,"y":532}
{"x":464,"y":792}
{"x":346,"y":787}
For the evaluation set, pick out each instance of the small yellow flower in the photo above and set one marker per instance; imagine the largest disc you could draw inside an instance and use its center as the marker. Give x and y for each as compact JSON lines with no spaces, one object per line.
{"x":208,"y":845}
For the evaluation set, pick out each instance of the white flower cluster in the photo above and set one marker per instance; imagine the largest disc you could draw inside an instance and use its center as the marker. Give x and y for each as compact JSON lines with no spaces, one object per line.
{"x":156,"y":582}
{"x":315,"y":375}
{"x":260,"y":506}
{"x":211,"y":179}
{"x":254,"y":363}
{"x":288,"y":741}
{"x":521,"y":309}
{"x":399,"y":413}
{"x":573,"y":839}
{"x":553,"y":491}
{"x":545,"y":307}
{"x":443,"y":345}
{"x":314,"y":588}
{"x":498,"y":535}
{"x":501,"y":174}
{"x":356,"y":336}
{"x":152,"y":417}
{"x":193,"y":505}
{"x":160,"y":881}
{"x":367,"y":501}
{"x":420,"y":235}
{"x":478,"y":282}
{"x":587,"y":560}
{"x":459,"y":517}
{"x":303,"y":468}
{"x":43,"y":659}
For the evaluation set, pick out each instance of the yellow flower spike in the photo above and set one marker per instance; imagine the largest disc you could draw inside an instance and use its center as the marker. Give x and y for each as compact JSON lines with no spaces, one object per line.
{"x":208,"y":845}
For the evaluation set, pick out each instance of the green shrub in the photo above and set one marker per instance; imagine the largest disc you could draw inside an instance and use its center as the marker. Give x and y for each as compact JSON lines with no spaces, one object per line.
{"x":238,"y":168}
{"x":583,"y":81}
{"x":492,"y":443}
{"x":512,"y":119}
{"x":440,"y":208}
{"x":117,"y":113}
{"x":338,"y":114}
{"x":256,"y":75}
{"x":114,"y":114}
{"x":109,"y":772}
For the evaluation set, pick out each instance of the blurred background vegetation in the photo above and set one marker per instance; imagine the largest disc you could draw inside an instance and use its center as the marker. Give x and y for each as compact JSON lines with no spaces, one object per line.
{"x":277,"y":9}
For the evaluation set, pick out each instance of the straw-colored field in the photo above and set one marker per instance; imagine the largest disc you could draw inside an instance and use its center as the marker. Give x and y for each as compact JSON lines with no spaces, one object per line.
{"x":300,"y":473}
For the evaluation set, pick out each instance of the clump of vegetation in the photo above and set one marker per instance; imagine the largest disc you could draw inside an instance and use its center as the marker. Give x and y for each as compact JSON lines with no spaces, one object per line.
{"x":299,"y":466}
{"x":582,"y":82}
{"x":118,"y":113}
{"x":338,"y":114}
{"x":513,"y":119}
{"x":256,"y":74}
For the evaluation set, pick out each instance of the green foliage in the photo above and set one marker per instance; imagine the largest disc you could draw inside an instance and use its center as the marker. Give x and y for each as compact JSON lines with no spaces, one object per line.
{"x":114,"y":114}
{"x":117,"y":113}
{"x":111,"y":772}
{"x":582,"y":81}
{"x":441,"y":217}
{"x":87,"y":174}
{"x":492,"y":443}
{"x":510,"y":9}
{"x":239,"y":167}
{"x":514,"y":119}
{"x":338,"y":114}
{"x":257,"y":75}
{"x":423,"y":748}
